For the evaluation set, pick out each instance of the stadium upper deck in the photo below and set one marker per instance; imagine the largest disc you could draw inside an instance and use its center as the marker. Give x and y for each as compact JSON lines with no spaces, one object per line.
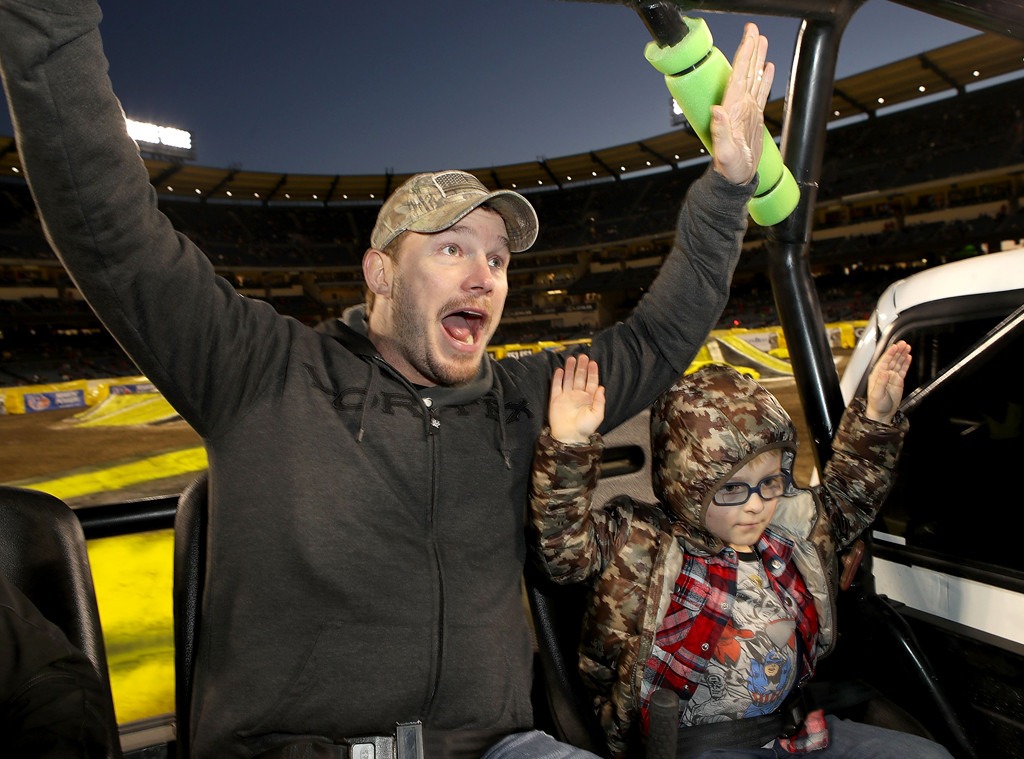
{"x":950,"y":69}
{"x":913,"y":186}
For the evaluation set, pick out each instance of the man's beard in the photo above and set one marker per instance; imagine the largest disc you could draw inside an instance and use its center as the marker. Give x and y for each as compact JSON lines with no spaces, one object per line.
{"x":412,"y":337}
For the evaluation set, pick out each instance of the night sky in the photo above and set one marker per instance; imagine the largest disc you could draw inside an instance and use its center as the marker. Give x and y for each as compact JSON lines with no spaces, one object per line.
{"x":328,"y":87}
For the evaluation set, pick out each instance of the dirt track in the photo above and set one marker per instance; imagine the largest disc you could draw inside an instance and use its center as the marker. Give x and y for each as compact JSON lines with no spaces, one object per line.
{"x":45,"y":444}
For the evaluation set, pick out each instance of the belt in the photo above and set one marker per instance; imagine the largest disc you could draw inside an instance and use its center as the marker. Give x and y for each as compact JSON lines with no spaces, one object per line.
{"x":752,"y":732}
{"x":410,"y":741}
{"x":668,"y":741}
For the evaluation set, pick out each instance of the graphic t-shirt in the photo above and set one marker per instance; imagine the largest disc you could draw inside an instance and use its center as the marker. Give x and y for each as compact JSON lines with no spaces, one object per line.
{"x":753,"y":667}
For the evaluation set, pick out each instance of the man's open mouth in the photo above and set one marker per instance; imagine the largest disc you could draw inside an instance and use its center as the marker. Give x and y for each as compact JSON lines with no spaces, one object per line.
{"x":465,"y":326}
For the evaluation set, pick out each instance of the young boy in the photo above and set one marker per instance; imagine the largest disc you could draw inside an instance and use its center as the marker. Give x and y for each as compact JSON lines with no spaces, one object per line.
{"x":724,"y":590}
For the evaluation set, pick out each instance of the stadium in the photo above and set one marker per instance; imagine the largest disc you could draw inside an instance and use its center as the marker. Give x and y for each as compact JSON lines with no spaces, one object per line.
{"x":931,"y":178}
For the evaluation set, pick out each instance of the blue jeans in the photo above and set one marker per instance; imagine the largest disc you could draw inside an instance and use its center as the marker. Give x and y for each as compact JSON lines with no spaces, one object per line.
{"x":848,"y":740}
{"x":535,"y":745}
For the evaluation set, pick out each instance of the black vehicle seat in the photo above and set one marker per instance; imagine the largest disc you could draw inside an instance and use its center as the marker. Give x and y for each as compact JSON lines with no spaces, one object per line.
{"x":43,"y":553}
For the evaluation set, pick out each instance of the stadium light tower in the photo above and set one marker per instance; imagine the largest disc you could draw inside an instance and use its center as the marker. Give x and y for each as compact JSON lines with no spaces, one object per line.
{"x":161,"y":141}
{"x":676,"y":114}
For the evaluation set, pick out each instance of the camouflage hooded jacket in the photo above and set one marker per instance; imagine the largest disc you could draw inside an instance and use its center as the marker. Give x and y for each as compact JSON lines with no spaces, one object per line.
{"x":705,"y":428}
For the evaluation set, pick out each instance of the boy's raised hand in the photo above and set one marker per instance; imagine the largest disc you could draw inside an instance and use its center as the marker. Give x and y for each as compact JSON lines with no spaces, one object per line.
{"x":576,"y":406}
{"x":885,"y":385}
{"x":737,"y":125}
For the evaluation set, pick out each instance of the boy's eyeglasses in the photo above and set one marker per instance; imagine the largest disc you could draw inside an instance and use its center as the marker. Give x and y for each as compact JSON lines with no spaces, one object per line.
{"x":738,"y":493}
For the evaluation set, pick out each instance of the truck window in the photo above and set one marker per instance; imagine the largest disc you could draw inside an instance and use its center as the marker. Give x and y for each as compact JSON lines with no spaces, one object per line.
{"x":959,"y":485}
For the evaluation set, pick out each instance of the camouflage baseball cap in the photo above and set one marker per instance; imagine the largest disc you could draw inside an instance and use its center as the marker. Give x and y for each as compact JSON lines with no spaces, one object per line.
{"x":432,"y":202}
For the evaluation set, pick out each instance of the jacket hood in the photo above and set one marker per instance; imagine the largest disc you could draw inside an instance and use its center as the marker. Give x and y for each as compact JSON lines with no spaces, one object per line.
{"x":705,"y":428}
{"x":350,"y":329}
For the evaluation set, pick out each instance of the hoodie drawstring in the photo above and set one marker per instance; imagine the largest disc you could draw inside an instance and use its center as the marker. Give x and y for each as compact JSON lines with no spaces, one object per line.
{"x":371,"y":387}
{"x":502,"y":434}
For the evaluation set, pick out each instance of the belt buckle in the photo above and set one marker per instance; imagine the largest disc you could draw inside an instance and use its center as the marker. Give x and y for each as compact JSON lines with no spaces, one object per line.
{"x":793,"y":716}
{"x":406,"y":743}
{"x":371,"y":747}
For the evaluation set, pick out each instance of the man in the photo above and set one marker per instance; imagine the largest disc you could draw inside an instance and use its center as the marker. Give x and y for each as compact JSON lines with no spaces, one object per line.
{"x":367,"y":481}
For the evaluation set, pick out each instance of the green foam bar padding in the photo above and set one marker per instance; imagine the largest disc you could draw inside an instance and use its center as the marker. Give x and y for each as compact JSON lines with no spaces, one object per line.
{"x":696,"y":73}
{"x":777,"y":202}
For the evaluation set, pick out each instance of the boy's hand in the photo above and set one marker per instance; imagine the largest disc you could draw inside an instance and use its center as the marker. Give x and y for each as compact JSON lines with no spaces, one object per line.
{"x":885,"y":385}
{"x":737,"y":125}
{"x":576,"y":407}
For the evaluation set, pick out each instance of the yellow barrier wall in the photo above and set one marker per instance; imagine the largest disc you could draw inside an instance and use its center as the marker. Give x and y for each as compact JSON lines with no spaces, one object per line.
{"x":26,"y":399}
{"x":133,"y":576}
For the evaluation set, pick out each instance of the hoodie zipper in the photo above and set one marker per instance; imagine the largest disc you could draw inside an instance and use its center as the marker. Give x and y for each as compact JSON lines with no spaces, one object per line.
{"x":433,"y":430}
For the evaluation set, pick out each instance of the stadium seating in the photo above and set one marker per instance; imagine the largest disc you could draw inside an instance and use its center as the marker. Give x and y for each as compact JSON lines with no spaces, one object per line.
{"x":913,"y":188}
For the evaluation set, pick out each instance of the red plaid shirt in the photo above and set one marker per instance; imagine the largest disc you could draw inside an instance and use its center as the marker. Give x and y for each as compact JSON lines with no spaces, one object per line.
{"x":700,"y":609}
